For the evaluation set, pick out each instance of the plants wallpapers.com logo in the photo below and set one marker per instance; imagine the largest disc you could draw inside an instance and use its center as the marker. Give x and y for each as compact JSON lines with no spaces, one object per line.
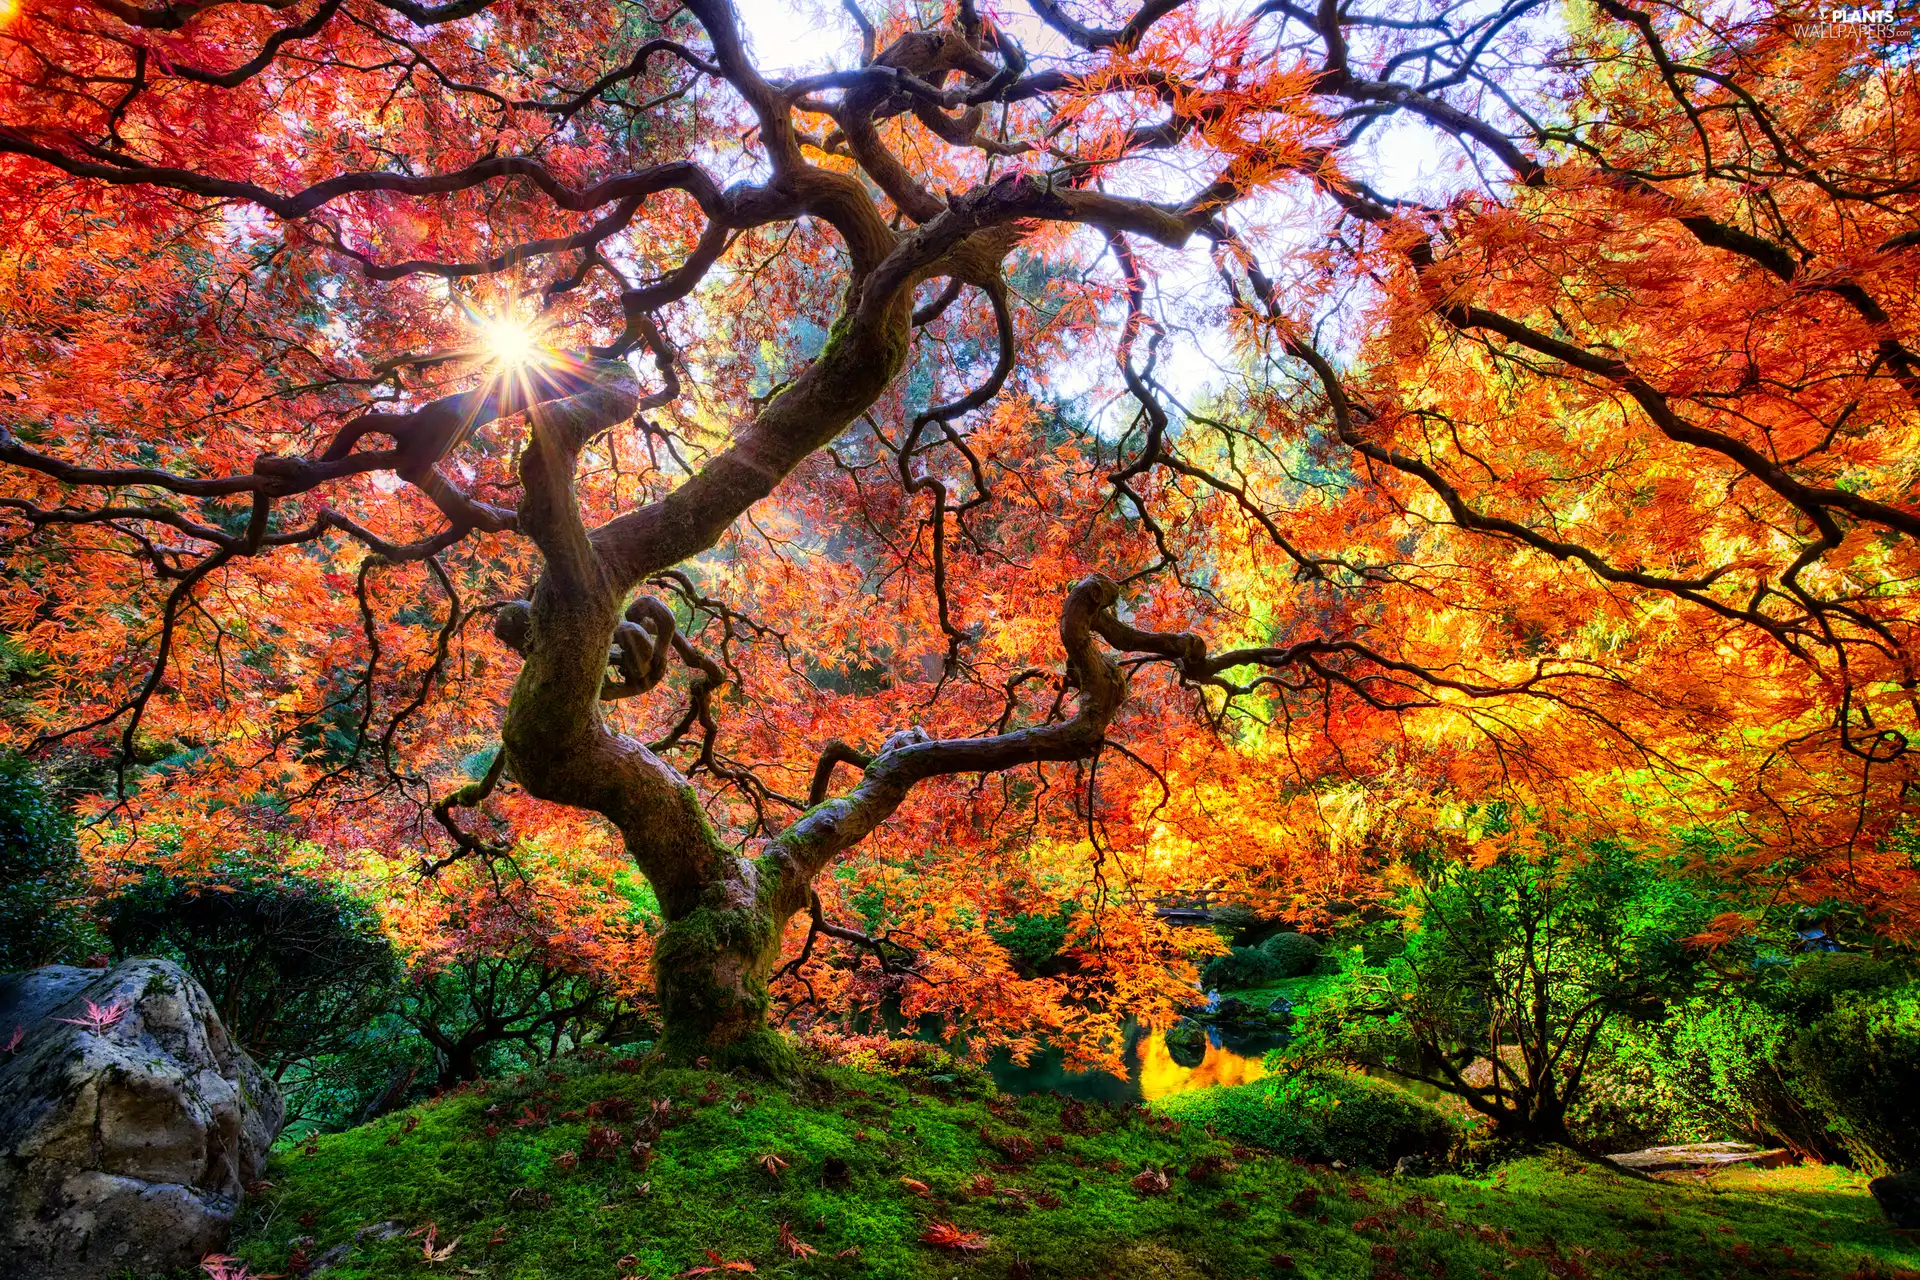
{"x":1872,"y":21}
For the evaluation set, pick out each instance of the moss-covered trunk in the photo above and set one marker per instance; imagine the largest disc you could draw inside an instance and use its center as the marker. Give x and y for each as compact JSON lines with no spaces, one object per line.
{"x":711,"y":971}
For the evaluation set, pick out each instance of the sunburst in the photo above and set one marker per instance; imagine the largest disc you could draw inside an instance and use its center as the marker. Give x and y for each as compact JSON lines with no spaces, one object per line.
{"x":511,"y":342}
{"x":508,"y":341}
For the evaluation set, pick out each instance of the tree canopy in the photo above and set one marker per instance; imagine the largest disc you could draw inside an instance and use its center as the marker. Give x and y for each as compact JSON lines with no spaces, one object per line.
{"x":480,"y":450}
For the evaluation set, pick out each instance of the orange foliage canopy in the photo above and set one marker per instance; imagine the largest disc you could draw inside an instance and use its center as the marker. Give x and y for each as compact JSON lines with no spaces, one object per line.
{"x":1579,"y":474}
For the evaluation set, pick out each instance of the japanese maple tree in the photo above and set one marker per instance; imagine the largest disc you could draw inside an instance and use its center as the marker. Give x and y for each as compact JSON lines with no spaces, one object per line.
{"x":458,"y":429}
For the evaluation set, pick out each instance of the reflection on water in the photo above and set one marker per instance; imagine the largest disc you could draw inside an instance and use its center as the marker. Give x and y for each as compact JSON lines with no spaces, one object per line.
{"x":1159,"y":1075}
{"x":1150,"y":1070}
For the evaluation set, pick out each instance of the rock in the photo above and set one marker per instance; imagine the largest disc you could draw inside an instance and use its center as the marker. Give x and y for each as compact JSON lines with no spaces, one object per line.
{"x":1701,"y":1155}
{"x":130,"y":1125}
{"x":1187,"y":1043}
{"x":1898,"y":1195}
{"x":338,"y":1254}
{"x":1232,"y":1009}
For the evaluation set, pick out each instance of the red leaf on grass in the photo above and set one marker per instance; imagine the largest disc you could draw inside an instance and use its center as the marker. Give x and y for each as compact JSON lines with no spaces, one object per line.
{"x":795,"y":1245}
{"x":945,"y":1235}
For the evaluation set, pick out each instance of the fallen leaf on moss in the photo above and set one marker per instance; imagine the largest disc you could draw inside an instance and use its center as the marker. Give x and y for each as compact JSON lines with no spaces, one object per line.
{"x":795,"y":1245}
{"x":945,"y":1235}
{"x":1151,"y":1182}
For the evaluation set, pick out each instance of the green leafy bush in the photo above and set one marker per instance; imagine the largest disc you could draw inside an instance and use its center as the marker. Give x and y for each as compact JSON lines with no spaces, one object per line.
{"x":1810,"y":987}
{"x":292,"y":963}
{"x":1282,"y":956}
{"x":380,"y":1066}
{"x":1319,"y":1116}
{"x":40,"y":921}
{"x":1293,"y":954}
{"x":1727,"y":1056}
{"x":1821,"y":1055}
{"x":1632,"y":1099}
{"x":1235,"y":922}
{"x":1859,"y":1067}
{"x":1240,"y":968}
{"x":1034,"y":939}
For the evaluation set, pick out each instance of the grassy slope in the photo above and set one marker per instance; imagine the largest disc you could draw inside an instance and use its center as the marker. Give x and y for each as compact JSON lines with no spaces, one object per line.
{"x":1301,"y":992}
{"x":706,"y":1189}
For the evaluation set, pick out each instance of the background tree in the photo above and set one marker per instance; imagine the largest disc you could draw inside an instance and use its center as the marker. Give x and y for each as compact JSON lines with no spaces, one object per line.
{"x":748,"y":409}
{"x":295,"y":966}
{"x":42,"y":885}
{"x":1512,"y":973}
{"x":510,"y":980}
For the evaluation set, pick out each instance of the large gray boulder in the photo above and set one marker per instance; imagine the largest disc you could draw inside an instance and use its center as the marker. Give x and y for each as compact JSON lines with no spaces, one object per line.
{"x":127,"y":1136}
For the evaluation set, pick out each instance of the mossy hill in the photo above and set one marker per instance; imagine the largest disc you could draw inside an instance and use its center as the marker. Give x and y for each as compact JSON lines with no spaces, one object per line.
{"x":871,"y":1173}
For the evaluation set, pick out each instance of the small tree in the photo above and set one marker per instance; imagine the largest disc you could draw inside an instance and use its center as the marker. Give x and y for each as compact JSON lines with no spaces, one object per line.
{"x":518,"y":978}
{"x":39,"y":873}
{"x":1512,"y":970}
{"x":297,"y":968}
{"x":471,"y":1009}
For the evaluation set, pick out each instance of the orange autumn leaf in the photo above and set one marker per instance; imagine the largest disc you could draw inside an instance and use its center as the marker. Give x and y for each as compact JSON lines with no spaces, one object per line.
{"x":945,"y":1235}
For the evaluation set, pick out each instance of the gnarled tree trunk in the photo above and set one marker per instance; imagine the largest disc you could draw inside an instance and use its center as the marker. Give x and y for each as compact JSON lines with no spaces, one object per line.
{"x":725,"y":912}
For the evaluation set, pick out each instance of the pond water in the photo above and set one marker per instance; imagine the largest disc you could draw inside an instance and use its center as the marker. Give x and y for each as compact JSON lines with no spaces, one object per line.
{"x":1150,"y":1069}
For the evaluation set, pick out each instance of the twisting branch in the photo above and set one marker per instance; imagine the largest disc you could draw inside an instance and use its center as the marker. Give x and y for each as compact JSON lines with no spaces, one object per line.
{"x":944,"y":416}
{"x":135,"y":706}
{"x":834,"y":754}
{"x":470,"y":796}
{"x":895,"y":958}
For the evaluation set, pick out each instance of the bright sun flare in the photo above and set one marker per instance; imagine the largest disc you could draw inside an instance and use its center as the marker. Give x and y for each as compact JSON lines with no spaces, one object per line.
{"x":508,"y":342}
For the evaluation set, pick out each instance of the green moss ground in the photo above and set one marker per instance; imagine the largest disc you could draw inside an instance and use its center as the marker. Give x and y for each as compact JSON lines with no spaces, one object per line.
{"x":1302,"y":992}
{"x":1055,"y":1192}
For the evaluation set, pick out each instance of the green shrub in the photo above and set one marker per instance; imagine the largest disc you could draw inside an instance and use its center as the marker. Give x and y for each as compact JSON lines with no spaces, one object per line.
{"x":1728,"y":1058}
{"x":1823,"y":1057}
{"x":293,"y":964}
{"x":380,"y":1066}
{"x":40,"y":883}
{"x":1235,"y":922}
{"x":1241,"y":968}
{"x":1859,"y":1068}
{"x":1810,"y":987}
{"x":1033,"y":940}
{"x":1293,"y":954}
{"x":1319,"y":1116}
{"x":1632,"y":1099}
